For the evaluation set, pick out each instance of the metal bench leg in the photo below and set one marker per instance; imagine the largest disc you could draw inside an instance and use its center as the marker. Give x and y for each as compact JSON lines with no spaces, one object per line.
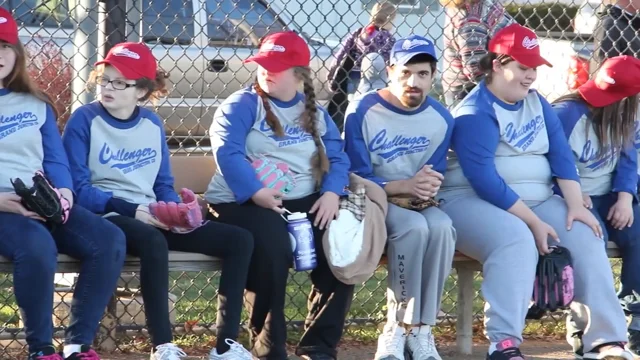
{"x":464,"y":308}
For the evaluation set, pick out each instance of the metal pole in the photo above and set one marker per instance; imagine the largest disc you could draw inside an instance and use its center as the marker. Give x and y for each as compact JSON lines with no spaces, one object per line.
{"x":115,"y":24}
{"x":85,"y":40}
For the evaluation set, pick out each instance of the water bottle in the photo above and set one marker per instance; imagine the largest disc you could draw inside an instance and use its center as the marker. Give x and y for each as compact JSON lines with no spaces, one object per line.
{"x":301,"y":236}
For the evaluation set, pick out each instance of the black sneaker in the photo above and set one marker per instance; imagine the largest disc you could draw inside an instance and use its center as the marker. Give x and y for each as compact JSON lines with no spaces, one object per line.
{"x":46,"y":353}
{"x":506,"y":350}
{"x":634,"y":342}
{"x":576,"y":344}
{"x":86,"y":353}
{"x":317,"y":356}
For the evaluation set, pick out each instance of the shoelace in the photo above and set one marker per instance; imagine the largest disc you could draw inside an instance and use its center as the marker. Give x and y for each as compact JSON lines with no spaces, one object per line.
{"x":169,"y":351}
{"x":237,"y":349}
{"x":89,"y":355}
{"x":392,"y":340}
{"x":513,"y":353}
{"x":426,"y":342}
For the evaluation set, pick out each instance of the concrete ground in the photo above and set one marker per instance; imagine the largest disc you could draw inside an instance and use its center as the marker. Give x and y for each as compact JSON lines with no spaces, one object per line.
{"x":534,"y":349}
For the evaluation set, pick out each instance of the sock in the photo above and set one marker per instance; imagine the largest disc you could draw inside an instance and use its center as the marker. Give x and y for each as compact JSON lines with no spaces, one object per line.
{"x":68,"y":350}
{"x":222,"y":347}
{"x":493,"y":347}
{"x":425,"y":329}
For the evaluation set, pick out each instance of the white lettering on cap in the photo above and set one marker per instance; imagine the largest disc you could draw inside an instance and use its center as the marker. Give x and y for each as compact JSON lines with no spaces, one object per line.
{"x":529,"y":43}
{"x":410,"y":44}
{"x":604,"y":77}
{"x":272,"y":47}
{"x":3,"y":20}
{"x":123,"y":51}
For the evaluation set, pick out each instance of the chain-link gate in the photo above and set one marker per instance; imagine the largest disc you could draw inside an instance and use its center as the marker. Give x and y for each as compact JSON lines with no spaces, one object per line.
{"x":202,"y":43}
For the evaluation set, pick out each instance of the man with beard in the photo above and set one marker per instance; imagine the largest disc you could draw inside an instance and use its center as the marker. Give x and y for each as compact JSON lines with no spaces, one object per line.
{"x":398,"y":137}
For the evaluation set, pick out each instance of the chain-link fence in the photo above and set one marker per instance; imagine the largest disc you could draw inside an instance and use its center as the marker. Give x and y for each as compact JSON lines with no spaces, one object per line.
{"x":202,"y":43}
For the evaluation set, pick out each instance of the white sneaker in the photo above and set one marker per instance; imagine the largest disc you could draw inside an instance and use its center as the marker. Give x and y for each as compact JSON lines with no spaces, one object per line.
{"x":421,"y":344}
{"x":167,"y":351}
{"x":614,"y":352}
{"x":235,"y":352}
{"x":391,"y":343}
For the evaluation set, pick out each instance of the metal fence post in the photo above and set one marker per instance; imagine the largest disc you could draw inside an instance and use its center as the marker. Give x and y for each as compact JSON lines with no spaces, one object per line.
{"x":85,"y":40}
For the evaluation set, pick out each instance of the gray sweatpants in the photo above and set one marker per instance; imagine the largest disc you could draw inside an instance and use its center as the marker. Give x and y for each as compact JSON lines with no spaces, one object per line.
{"x":505,"y":246}
{"x":420,"y":250}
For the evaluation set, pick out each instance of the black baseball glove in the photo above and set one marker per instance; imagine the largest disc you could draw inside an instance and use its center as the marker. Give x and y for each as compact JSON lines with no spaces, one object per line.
{"x":553,"y":288}
{"x":43,"y":199}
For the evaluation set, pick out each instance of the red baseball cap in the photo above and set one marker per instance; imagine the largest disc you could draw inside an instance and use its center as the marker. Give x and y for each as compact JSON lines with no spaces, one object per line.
{"x":8,"y":27}
{"x":133,"y":60}
{"x":281,"y":51}
{"x":520,"y":43}
{"x":617,"y":78}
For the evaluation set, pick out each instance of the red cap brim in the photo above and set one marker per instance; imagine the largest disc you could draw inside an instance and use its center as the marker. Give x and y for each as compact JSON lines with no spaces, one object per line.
{"x":532,"y":61}
{"x":271,"y":63}
{"x":597,"y":97}
{"x":126,"y":71}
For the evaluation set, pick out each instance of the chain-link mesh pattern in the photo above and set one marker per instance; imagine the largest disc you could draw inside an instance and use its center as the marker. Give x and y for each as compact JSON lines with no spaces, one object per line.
{"x":202,"y":44}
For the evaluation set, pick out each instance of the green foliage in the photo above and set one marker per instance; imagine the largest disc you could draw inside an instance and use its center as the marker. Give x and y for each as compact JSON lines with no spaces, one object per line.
{"x":544,"y":17}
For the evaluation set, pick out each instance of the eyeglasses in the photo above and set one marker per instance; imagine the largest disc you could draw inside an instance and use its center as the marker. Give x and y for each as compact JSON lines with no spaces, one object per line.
{"x":116,"y":84}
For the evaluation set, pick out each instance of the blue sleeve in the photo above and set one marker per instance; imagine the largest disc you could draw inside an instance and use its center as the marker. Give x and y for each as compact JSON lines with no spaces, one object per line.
{"x":568,"y":114}
{"x":163,"y":187}
{"x":355,"y":146}
{"x":55,"y":163}
{"x":77,"y":139}
{"x":337,"y":179}
{"x":475,"y":139}
{"x":439,"y":157}
{"x":560,"y":155}
{"x":231,"y":125}
{"x":625,"y":178}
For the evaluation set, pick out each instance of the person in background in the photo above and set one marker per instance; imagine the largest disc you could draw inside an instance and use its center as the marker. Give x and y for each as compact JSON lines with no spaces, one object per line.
{"x":121,"y":168}
{"x":508,"y":150}
{"x":272,"y":121}
{"x":469,"y":25}
{"x":374,"y":74}
{"x":398,"y":137}
{"x":30,"y":143}
{"x":345,"y":70}
{"x":598,"y":121}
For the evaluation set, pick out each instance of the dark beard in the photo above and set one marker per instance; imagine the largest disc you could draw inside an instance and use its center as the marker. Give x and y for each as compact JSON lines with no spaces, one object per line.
{"x":411,"y":101}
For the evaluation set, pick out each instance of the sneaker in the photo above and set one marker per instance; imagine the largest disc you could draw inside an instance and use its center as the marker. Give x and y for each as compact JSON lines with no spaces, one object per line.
{"x":235,"y":352}
{"x":575,"y":341}
{"x":168,"y":351}
{"x":634,"y":342}
{"x":506,"y":350}
{"x":317,"y":356}
{"x":46,"y":353}
{"x":421,"y":344}
{"x":86,"y":353}
{"x":614,"y":351}
{"x":391,"y":343}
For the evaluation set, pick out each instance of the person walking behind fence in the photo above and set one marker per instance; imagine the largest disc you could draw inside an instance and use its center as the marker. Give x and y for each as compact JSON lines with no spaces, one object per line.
{"x":398,"y":137}
{"x":30,"y":143}
{"x":469,"y":25}
{"x":344,"y":74}
{"x":272,"y":125}
{"x":374,"y":74}
{"x":508,"y":149}
{"x":599,"y":122}
{"x":120,"y":165}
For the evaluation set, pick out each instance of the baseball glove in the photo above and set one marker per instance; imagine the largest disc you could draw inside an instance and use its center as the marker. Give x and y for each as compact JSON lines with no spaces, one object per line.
{"x":185,"y":215}
{"x":412,"y":203}
{"x":272,"y":174}
{"x":43,"y":199}
{"x":553,"y":287}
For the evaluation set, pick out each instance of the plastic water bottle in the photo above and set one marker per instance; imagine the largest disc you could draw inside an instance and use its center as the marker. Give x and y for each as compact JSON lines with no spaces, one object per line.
{"x":301,"y":235}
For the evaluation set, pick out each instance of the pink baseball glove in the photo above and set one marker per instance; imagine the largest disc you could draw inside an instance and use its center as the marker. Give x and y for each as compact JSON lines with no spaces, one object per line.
{"x":185,"y":215}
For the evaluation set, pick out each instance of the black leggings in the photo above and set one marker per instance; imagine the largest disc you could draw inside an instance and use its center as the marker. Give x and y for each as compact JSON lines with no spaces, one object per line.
{"x":328,"y":302}
{"x":230,"y":243}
